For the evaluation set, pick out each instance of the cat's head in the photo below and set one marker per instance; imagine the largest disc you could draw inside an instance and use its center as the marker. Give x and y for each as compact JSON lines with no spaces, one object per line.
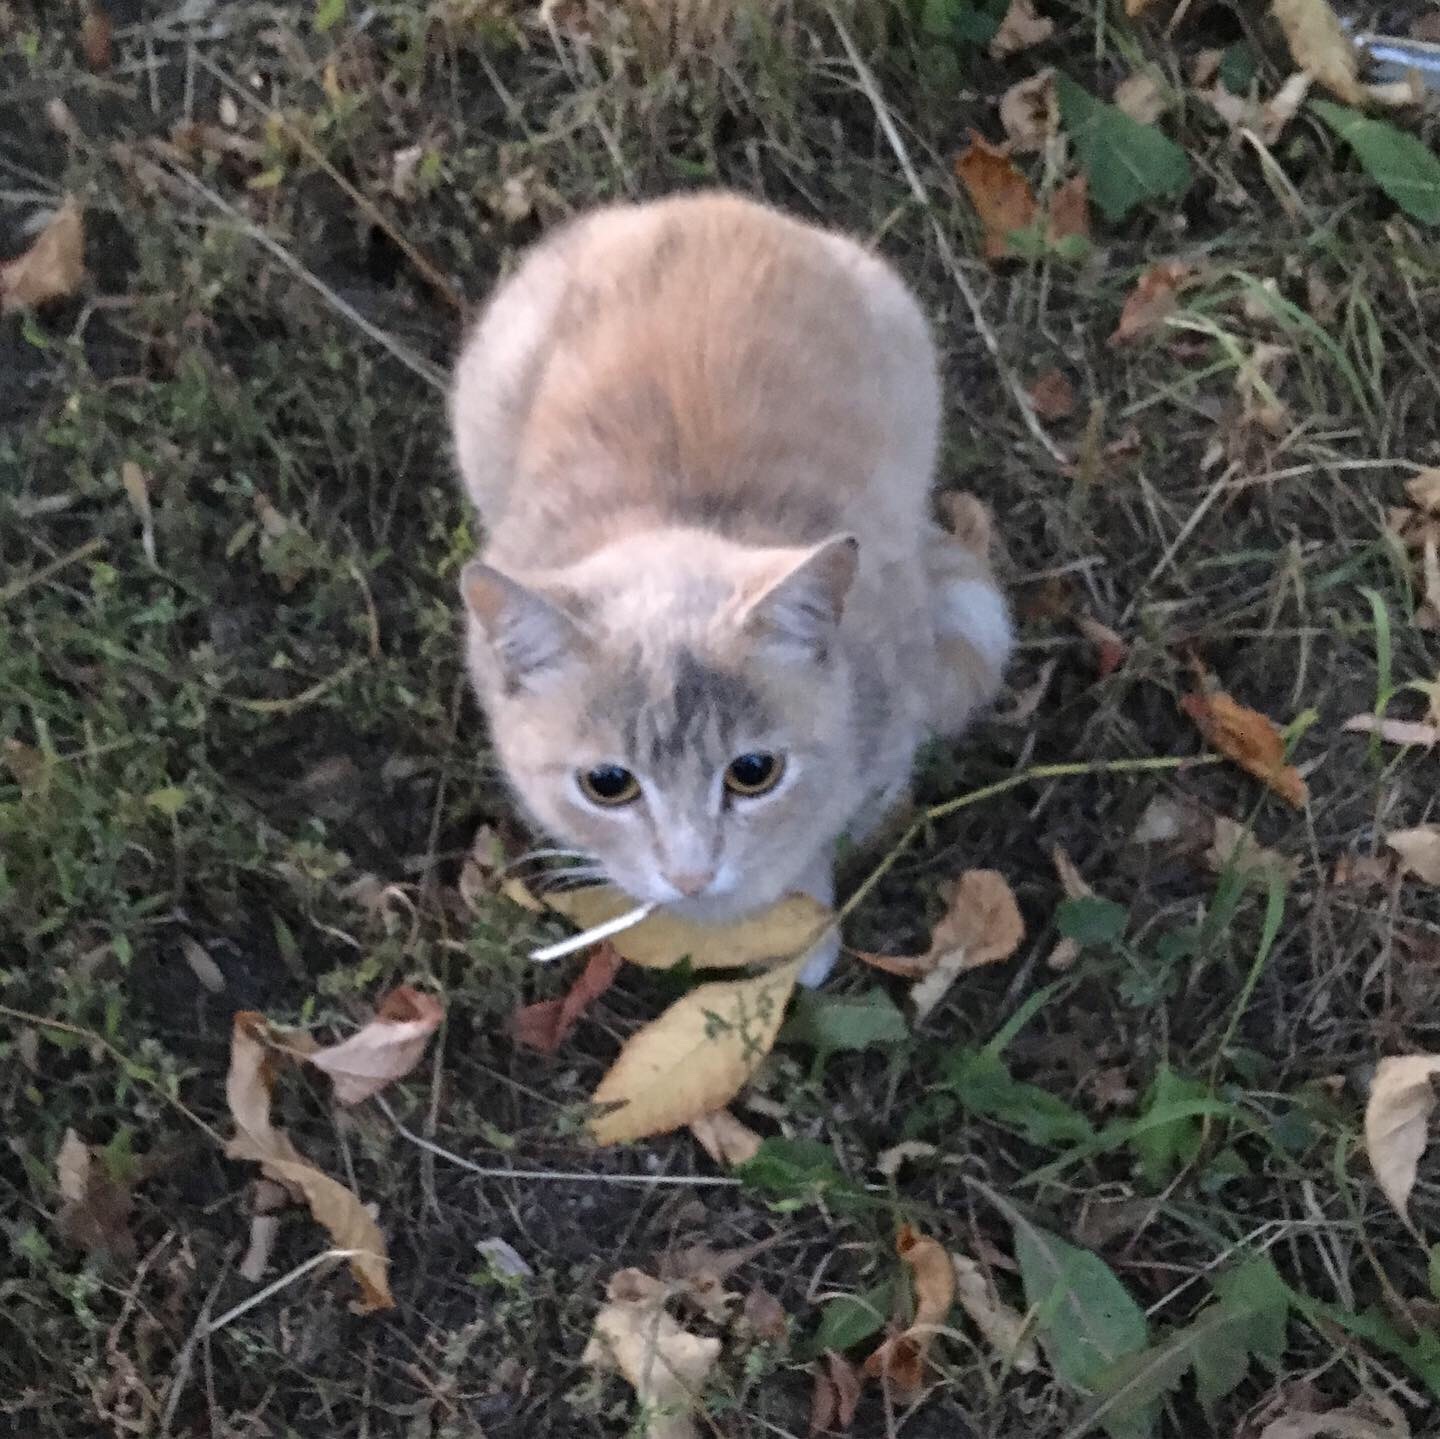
{"x":676,"y":708}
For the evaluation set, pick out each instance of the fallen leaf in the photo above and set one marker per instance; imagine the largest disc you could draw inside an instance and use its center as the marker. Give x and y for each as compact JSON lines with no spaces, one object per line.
{"x":765,"y":1315}
{"x":52,"y":268}
{"x":1283,"y":106}
{"x":968,"y":519}
{"x":662,"y":940}
{"x":665,"y":1365}
{"x":1154,"y":298}
{"x":1025,"y":702}
{"x":888,"y":1162}
{"x":1361,"y":871}
{"x":1255,"y":379}
{"x":205,"y":970}
{"x":248,"y":1088}
{"x":1424,"y":489}
{"x":1393,"y":731}
{"x":1001,"y":195}
{"x":1234,"y":846}
{"x":695,"y":1058}
{"x":1030,"y":113}
{"x":1022,"y":27}
{"x":900,"y":1360}
{"x":1319,"y":46}
{"x":1140,"y":97}
{"x":1110,"y":650}
{"x":386,"y":1049}
{"x":504,"y":1258}
{"x":1136,"y":7}
{"x":1051,"y":395}
{"x":1419,"y":851}
{"x":95,"y":37}
{"x":1248,"y":738}
{"x":404,"y":164}
{"x":548,"y":1023}
{"x":95,"y":1215}
{"x":1375,"y":1417}
{"x":981,"y":925}
{"x":1002,"y":1327}
{"x":1167,"y":820}
{"x":137,"y":489}
{"x":1071,"y":880}
{"x":263,"y":1230}
{"x":1402,"y":1098}
{"x":836,"y":1395}
{"x":1068,"y":215}
{"x":727,"y":1140}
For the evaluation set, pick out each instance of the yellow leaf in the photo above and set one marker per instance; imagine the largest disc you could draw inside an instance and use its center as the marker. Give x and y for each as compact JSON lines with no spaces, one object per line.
{"x":1003,"y":1329}
{"x":695,"y":1058}
{"x":247,"y":1092}
{"x":981,"y":926}
{"x":1250,"y":739}
{"x":1419,"y":851}
{"x":665,"y":1365}
{"x":900,"y":1360}
{"x":52,"y":268}
{"x":1401,"y":1101}
{"x":661,"y":940}
{"x":1319,"y":46}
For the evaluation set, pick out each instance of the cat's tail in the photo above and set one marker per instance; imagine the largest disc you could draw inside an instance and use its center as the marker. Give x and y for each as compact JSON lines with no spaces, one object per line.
{"x":974,"y":634}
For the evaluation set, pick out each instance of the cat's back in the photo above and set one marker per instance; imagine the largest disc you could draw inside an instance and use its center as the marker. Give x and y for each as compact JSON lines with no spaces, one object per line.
{"x":700,"y":359}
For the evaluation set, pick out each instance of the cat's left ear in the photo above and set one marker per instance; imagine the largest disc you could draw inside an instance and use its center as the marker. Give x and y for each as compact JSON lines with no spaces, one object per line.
{"x":800,"y":602}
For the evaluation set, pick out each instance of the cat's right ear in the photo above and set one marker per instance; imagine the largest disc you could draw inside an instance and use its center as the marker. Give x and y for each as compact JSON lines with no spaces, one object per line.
{"x":529,"y":636}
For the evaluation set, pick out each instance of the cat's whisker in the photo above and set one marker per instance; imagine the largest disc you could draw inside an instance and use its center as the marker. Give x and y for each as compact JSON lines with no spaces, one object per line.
{"x":593,"y":935}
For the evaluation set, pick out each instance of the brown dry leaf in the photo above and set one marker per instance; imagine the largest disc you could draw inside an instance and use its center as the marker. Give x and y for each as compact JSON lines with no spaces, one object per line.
{"x":1235,"y":846}
{"x":981,"y":925}
{"x":205,"y":970}
{"x":1001,"y":195}
{"x":1068,"y":215}
{"x":95,"y":37}
{"x":665,"y":1365}
{"x":1136,"y":7}
{"x":765,"y":1315}
{"x":263,"y":1231}
{"x":547,"y":1024}
{"x":1003,"y":1328}
{"x":1427,"y":612}
{"x":900,"y":1360}
{"x":136,"y":484}
{"x":1110,"y":650}
{"x":695,"y":1058}
{"x":968,"y":519}
{"x":1168,"y":820}
{"x":247,"y":1093}
{"x":1424,"y":489}
{"x":1022,"y":27}
{"x":1375,"y":1417}
{"x":1071,"y":880}
{"x":1283,"y":106}
{"x":1152,"y":301}
{"x":1361,"y":871}
{"x":836,"y":1396}
{"x":1402,"y":1098}
{"x":386,"y":1049}
{"x":1248,"y":738}
{"x":95,"y":1215}
{"x":1419,"y":851}
{"x":1140,"y":97}
{"x":1394,"y":731}
{"x":53,"y":268}
{"x":1051,"y":395}
{"x":727,"y":1140}
{"x":662,"y":940}
{"x":1319,"y":46}
{"x":1030,"y":113}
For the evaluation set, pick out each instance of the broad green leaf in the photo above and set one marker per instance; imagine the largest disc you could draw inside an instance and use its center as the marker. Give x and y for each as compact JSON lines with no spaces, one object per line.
{"x":850,"y":1320}
{"x":973,"y":21}
{"x":1130,"y":1390}
{"x":831,"y":1023}
{"x":1163,"y":1147}
{"x":983,"y":1084}
{"x":1237,"y":68}
{"x":328,"y":14}
{"x":1254,"y":1304}
{"x":798,"y":1170}
{"x":1126,"y":162}
{"x":1091,"y":920}
{"x":1085,"y":1318}
{"x":1405,"y":168}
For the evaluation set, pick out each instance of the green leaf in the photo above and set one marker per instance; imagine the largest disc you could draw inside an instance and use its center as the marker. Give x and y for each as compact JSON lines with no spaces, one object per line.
{"x":1091,"y":920}
{"x":169,"y":801}
{"x":1085,"y":1318}
{"x":1407,"y":170}
{"x":1434,"y":1271}
{"x":1164,"y":1146}
{"x":850,"y":1320}
{"x":1130,"y":1389}
{"x":328,"y":14}
{"x":800,"y":1170}
{"x":1254,"y":1302}
{"x":831,"y":1023}
{"x":972,"y":21}
{"x":1238,"y":67}
{"x":1127,"y":162}
{"x":984,"y":1085}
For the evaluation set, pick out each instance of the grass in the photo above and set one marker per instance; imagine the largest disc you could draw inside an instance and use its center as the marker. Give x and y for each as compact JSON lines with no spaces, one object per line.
{"x":259,"y":743}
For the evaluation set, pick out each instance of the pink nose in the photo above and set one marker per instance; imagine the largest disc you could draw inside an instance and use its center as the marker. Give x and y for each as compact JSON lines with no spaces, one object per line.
{"x":691,"y":882}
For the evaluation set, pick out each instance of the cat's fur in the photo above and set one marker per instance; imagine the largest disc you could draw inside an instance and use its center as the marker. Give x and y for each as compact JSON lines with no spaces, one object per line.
{"x":701,"y":438}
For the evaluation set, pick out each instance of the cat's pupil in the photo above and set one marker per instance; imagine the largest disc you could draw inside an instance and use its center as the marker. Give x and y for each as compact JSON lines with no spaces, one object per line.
{"x":610,"y":781}
{"x":752,"y":770}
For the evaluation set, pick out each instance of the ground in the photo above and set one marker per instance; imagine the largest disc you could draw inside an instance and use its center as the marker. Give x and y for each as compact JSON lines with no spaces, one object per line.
{"x":234,"y":724}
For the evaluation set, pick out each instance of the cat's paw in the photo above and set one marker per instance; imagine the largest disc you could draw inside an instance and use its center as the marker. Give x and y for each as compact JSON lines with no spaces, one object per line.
{"x":820,"y":961}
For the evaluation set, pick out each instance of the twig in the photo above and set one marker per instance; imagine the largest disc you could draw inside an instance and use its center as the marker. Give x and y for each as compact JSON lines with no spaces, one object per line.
{"x":275,"y":1286}
{"x":185,"y":1360}
{"x":649,"y":1181}
{"x":942,"y":241}
{"x":306,"y":696}
{"x":18,"y":586}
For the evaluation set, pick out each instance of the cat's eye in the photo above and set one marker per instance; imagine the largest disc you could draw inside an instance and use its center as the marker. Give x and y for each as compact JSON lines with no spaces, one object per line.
{"x":754,"y":774}
{"x":610,"y":785}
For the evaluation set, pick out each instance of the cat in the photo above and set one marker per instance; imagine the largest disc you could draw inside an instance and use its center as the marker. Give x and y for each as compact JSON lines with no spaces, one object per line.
{"x":713,"y":617}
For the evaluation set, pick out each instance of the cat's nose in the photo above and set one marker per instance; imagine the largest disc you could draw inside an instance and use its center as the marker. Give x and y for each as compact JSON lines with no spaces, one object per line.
{"x":691,"y":882}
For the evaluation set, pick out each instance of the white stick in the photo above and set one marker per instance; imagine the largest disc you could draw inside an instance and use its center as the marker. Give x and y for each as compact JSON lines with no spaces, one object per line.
{"x":591,"y":936}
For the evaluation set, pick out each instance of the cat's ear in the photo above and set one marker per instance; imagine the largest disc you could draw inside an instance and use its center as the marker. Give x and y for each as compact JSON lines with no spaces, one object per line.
{"x":800,"y":602}
{"x":530,"y":636}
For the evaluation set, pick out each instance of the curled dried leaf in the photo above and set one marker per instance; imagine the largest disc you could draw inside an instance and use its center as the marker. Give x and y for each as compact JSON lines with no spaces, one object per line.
{"x":900,"y":1360}
{"x":1153,"y":300}
{"x":1418,"y":850}
{"x":53,"y":268}
{"x":1248,"y":738}
{"x":1319,"y":46}
{"x":386,"y":1049}
{"x":548,"y":1023}
{"x":1397,"y":1117}
{"x":1001,"y":195}
{"x":1004,"y":1329}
